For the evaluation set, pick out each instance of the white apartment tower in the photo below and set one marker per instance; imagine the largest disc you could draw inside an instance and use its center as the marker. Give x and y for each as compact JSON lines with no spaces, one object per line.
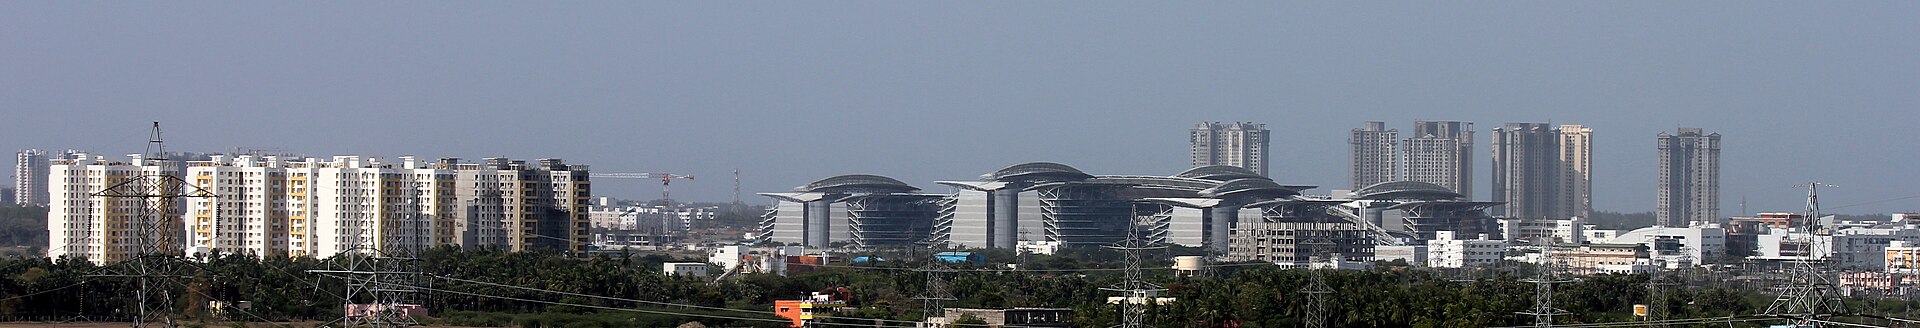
{"x":366,"y":205}
{"x":311,"y":207}
{"x":1689,"y":177}
{"x":1242,"y":144}
{"x":248,"y":213}
{"x":105,"y":229}
{"x":1374,"y":147}
{"x":1440,"y":153}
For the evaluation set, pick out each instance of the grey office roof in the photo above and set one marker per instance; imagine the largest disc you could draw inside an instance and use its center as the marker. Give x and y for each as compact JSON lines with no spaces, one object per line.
{"x":1249,"y":187}
{"x":1037,"y":171}
{"x":1219,"y":173}
{"x":1406,"y":190}
{"x":857,"y":183}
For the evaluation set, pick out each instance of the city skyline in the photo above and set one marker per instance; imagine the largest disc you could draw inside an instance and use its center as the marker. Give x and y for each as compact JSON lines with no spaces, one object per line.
{"x":926,"y":93}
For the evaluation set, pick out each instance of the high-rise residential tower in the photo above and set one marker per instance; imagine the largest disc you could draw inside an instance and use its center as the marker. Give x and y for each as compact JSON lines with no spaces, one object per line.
{"x":1373,"y":154}
{"x":520,"y":206}
{"x":1441,"y":153}
{"x":1689,"y":177}
{"x":1540,"y":171}
{"x":1241,"y":144}
{"x":1524,"y":155}
{"x":106,"y":230}
{"x":30,"y":178}
{"x":1576,"y":172}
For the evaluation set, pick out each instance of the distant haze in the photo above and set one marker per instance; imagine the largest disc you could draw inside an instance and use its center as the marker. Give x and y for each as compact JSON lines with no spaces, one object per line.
{"x":789,"y":92}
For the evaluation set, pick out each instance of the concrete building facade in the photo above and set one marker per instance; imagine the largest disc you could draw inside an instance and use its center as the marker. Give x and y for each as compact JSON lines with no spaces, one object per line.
{"x":1448,"y":250}
{"x":1575,"y":181}
{"x":1240,"y":144}
{"x":1374,"y":150}
{"x":1523,"y":170}
{"x":111,"y":229}
{"x":1440,"y":153}
{"x":267,"y":205}
{"x":30,"y":178}
{"x":518,"y":206}
{"x":1540,"y":171}
{"x":1689,"y":189}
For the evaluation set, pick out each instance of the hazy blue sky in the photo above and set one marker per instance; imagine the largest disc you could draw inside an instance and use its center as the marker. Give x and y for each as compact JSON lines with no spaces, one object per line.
{"x":789,"y":92}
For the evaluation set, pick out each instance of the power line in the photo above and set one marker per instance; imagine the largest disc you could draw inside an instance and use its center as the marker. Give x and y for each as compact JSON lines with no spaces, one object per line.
{"x":593,"y":296}
{"x":579,"y":305}
{"x":1875,"y":202}
{"x":649,"y":302}
{"x":83,"y":282}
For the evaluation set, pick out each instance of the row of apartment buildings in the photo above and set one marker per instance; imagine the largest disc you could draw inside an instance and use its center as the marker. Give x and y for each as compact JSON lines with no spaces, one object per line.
{"x":318,"y":207}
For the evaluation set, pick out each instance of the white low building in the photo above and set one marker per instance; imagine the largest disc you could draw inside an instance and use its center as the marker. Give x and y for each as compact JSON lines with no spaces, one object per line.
{"x":1676,"y":245}
{"x":753,"y":259}
{"x":1412,"y":254}
{"x":1865,"y":248}
{"x":684,"y":269}
{"x":1853,"y":248}
{"x":1447,"y":251}
{"x":1569,"y":231}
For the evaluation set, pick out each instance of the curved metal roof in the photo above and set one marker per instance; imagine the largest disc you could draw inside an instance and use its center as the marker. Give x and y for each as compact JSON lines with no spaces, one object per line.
{"x":1219,"y":173}
{"x":1037,"y":171}
{"x":1249,"y":187}
{"x":1159,"y":182}
{"x":858,"y":183}
{"x":1406,"y":190}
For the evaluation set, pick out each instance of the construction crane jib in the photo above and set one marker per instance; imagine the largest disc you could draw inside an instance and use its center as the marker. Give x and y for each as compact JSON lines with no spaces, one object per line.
{"x":666,"y":181}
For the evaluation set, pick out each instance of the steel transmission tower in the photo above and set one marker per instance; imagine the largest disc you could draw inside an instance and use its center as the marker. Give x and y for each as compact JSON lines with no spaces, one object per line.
{"x":1543,"y":279}
{"x":1135,"y":291}
{"x":1317,"y":290}
{"x":157,"y":240}
{"x":1808,"y":294}
{"x":1660,"y":280}
{"x":384,"y":273}
{"x":936,"y":290}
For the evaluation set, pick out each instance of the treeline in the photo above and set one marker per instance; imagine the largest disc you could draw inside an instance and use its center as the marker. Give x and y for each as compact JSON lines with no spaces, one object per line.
{"x":493,"y":288}
{"x":23,"y":226}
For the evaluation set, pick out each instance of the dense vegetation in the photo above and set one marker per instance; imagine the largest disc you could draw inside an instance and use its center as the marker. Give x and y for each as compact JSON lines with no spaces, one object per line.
{"x":487,"y":288}
{"x":494,"y":288}
{"x":23,"y":226}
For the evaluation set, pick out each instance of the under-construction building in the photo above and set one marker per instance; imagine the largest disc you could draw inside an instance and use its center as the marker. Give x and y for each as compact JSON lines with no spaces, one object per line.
{"x":1293,"y":231}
